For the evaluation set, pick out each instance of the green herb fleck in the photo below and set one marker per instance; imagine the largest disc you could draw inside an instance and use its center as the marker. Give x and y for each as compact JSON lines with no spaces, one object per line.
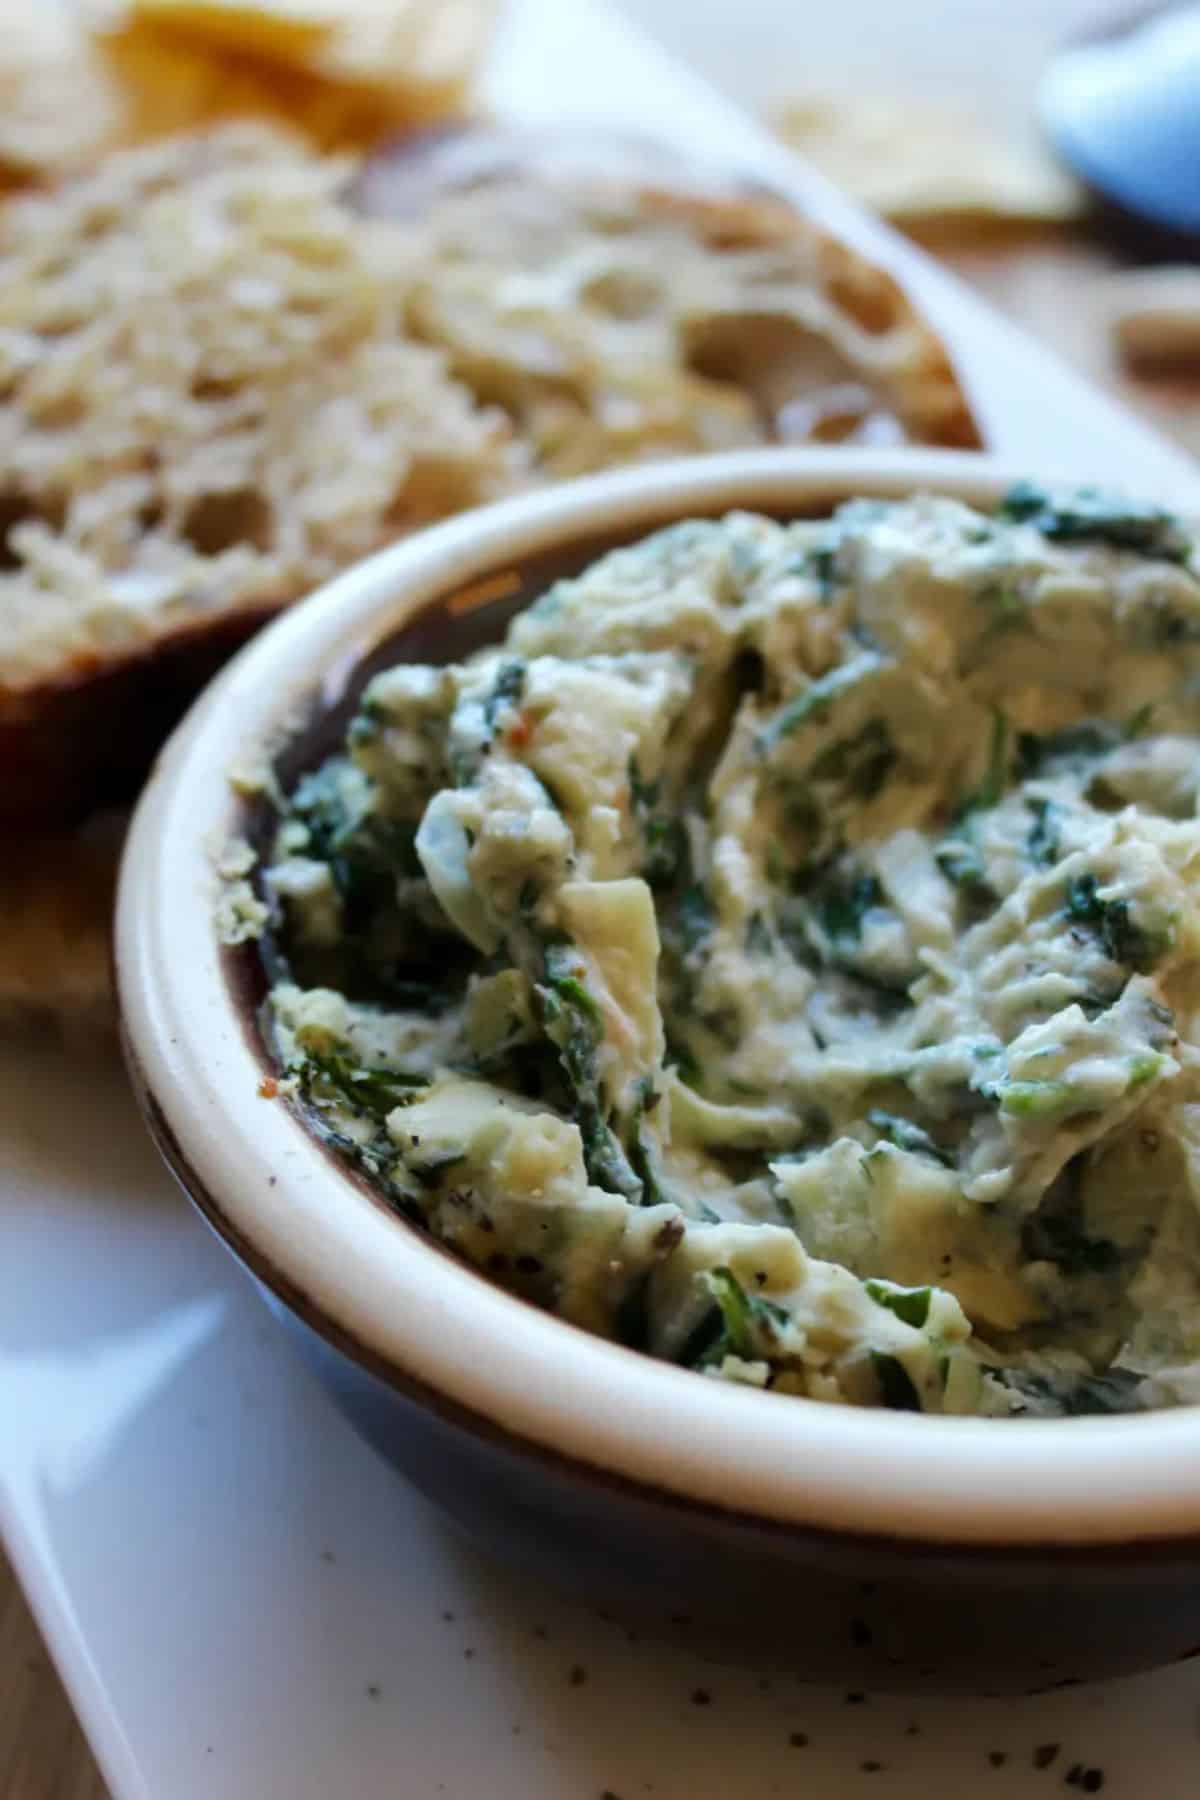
{"x":371,"y":1092}
{"x":1123,"y":938}
{"x":990,"y":790}
{"x":1042,"y":844}
{"x":844,"y":905}
{"x":507,"y":690}
{"x":909,"y":1304}
{"x":816,"y":700}
{"x":906,"y":1135}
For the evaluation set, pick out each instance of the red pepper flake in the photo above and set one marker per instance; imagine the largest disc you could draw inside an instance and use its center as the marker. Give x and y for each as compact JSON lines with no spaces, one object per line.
{"x":520,"y":732}
{"x":268,"y":1088}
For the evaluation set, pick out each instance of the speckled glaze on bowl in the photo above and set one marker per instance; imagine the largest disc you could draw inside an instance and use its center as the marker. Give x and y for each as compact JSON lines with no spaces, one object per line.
{"x":845,"y":1544}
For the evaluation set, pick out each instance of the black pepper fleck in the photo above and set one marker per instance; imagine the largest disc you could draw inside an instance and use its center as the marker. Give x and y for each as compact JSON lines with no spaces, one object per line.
{"x":860,"y":1634}
{"x":578,"y":1675}
{"x":1074,"y":1776}
{"x":871,"y":1768}
{"x":609,"y":1795}
{"x":701,"y":1697}
{"x":1045,"y":1754}
{"x":856,"y":1700}
{"x":913,"y":1730}
{"x":1093,"y":1781}
{"x":327,"y":1556}
{"x":468,"y":1653}
{"x":799,"y":1740}
{"x":448,"y":1618}
{"x":539,"y":1631}
{"x":997,"y":1758}
{"x":373,"y":1690}
{"x":528,"y":1265}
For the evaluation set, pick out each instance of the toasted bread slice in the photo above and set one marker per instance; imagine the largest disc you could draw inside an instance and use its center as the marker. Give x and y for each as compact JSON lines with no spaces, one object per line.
{"x":622,"y":315}
{"x":225,"y":378}
{"x":210,"y":405}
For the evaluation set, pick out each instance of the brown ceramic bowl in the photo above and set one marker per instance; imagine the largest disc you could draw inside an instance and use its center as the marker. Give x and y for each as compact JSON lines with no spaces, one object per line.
{"x":866,"y":1546}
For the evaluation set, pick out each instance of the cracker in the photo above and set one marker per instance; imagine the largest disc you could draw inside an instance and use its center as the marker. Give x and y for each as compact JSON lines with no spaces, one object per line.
{"x":925,"y":164}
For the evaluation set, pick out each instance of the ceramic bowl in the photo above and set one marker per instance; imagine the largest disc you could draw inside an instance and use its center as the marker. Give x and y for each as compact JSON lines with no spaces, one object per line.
{"x":862,"y":1546}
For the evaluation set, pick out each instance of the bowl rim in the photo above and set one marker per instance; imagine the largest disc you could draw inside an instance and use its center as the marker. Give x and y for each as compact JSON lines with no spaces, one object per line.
{"x":366,"y":1279}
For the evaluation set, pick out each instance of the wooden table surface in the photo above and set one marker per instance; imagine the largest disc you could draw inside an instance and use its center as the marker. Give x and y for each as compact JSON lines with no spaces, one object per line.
{"x":1049,"y":281}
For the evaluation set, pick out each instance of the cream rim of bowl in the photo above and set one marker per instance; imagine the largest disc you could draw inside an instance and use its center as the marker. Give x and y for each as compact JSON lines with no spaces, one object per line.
{"x":380,"y":1283}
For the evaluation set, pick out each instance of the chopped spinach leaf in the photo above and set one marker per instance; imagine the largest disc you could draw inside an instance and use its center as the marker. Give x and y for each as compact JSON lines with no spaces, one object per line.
{"x":334,"y":1074}
{"x":909,"y":1304}
{"x":1123,"y":938}
{"x":962,"y":865}
{"x":572,"y":1020}
{"x":990,"y":791}
{"x":507,"y":690}
{"x":816,"y":699}
{"x":844,"y":904}
{"x":687,"y":1066}
{"x":906,"y":1135}
{"x":1059,"y":1238}
{"x":663,"y":834}
{"x":750,"y":1324}
{"x":1042,"y":843}
{"x":1088,"y":515}
{"x":694,"y":918}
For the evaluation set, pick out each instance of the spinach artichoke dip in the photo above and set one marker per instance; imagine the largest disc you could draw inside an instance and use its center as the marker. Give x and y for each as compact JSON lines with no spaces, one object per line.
{"x":781,"y":953}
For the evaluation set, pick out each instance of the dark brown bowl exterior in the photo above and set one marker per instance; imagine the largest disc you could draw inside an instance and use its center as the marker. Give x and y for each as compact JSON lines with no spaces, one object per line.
{"x":869,"y":1612}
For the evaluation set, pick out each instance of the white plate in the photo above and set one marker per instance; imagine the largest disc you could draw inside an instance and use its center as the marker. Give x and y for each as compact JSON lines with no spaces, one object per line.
{"x":242,"y":1600}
